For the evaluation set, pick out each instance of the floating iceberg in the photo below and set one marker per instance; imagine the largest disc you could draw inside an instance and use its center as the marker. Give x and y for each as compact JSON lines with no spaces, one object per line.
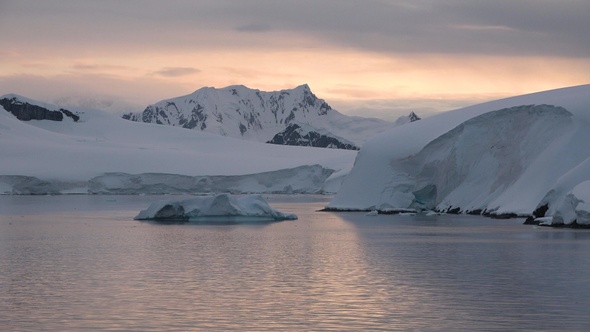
{"x":222,"y":208}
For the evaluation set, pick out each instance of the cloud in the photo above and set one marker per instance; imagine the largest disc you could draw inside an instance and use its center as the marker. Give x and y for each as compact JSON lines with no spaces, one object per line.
{"x":176,"y":71}
{"x":99,"y":68}
{"x":345,"y":49}
{"x":483,"y":27}
{"x":47,"y":88}
{"x":253,"y":27}
{"x":391,"y":109}
{"x":533,"y":27}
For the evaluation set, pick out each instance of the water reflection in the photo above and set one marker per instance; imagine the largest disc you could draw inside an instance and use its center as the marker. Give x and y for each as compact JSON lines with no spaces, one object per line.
{"x":100,"y":270}
{"x":481,"y":272}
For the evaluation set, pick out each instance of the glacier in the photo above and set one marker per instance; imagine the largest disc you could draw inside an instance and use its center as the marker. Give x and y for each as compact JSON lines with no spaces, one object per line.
{"x":222,"y":208}
{"x":100,"y":153}
{"x":299,"y":180}
{"x":509,"y":157}
{"x":522,"y":156}
{"x":306,"y":179}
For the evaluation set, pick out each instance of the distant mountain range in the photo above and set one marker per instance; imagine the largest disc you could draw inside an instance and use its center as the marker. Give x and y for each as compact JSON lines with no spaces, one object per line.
{"x":522,"y":156}
{"x":47,"y":149}
{"x":287,"y":117}
{"x":291,"y":117}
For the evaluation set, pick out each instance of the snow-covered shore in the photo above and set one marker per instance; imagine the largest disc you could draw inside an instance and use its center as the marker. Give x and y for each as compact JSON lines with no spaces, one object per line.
{"x":102,"y":153}
{"x":506,"y":157}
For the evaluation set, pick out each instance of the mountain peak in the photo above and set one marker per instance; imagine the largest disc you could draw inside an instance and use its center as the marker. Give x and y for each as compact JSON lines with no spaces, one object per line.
{"x":241,"y":112}
{"x":414,"y":117}
{"x":240,"y":87}
{"x":303,"y":86}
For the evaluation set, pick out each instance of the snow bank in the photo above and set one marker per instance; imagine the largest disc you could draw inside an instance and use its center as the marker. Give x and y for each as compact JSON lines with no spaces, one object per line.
{"x":313,"y":179}
{"x":299,"y":180}
{"x":568,"y":203}
{"x":48,"y":157}
{"x":501,"y":158}
{"x":221,"y":208}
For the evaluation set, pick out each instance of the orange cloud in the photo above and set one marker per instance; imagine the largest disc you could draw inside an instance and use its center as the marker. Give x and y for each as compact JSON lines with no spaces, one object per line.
{"x":336,"y":74}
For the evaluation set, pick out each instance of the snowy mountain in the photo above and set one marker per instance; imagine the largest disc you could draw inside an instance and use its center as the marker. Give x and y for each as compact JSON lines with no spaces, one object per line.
{"x":102,"y":153}
{"x":240,"y":112}
{"x":508,"y":157}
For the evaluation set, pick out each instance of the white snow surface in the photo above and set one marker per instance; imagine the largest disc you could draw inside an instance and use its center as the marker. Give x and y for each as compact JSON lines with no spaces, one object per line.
{"x":504,"y":157}
{"x":219,"y":208}
{"x":44,"y":156}
{"x":240,"y":112}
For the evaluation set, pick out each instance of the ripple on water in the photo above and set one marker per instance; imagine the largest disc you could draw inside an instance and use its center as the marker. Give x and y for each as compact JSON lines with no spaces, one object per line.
{"x":99,"y":270}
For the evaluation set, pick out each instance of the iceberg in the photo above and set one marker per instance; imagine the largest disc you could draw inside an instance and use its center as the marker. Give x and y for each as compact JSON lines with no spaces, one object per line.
{"x":222,"y":208}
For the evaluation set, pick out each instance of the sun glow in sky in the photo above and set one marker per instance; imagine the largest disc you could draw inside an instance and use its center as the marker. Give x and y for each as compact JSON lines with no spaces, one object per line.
{"x":373,"y":58}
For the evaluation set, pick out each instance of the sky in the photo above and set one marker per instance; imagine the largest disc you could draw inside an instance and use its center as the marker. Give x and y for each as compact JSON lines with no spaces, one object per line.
{"x":380,"y":58}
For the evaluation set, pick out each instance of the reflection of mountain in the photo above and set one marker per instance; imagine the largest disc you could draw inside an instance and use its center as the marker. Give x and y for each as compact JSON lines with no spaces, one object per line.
{"x":469,"y":271}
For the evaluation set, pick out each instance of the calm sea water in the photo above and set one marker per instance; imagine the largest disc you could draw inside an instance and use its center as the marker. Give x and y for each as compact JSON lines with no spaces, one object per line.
{"x":81,"y":263}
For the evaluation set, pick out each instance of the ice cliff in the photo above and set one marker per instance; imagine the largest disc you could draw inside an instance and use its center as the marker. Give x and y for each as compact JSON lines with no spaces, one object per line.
{"x":508,"y":157}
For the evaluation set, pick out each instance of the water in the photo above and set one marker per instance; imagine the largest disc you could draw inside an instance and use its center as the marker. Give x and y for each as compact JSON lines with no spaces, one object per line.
{"x":80,"y":263}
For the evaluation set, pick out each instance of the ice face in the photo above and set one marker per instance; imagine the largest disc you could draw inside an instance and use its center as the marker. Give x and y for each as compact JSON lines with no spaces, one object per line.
{"x":222,"y":208}
{"x":499,"y":161}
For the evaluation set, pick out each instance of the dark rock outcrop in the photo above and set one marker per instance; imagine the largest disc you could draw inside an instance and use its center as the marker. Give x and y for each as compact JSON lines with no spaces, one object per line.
{"x":26,"y":112}
{"x":295,"y":135}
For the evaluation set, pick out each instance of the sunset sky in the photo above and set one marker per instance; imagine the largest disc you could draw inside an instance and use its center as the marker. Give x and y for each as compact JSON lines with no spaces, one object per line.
{"x":365,"y":57}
